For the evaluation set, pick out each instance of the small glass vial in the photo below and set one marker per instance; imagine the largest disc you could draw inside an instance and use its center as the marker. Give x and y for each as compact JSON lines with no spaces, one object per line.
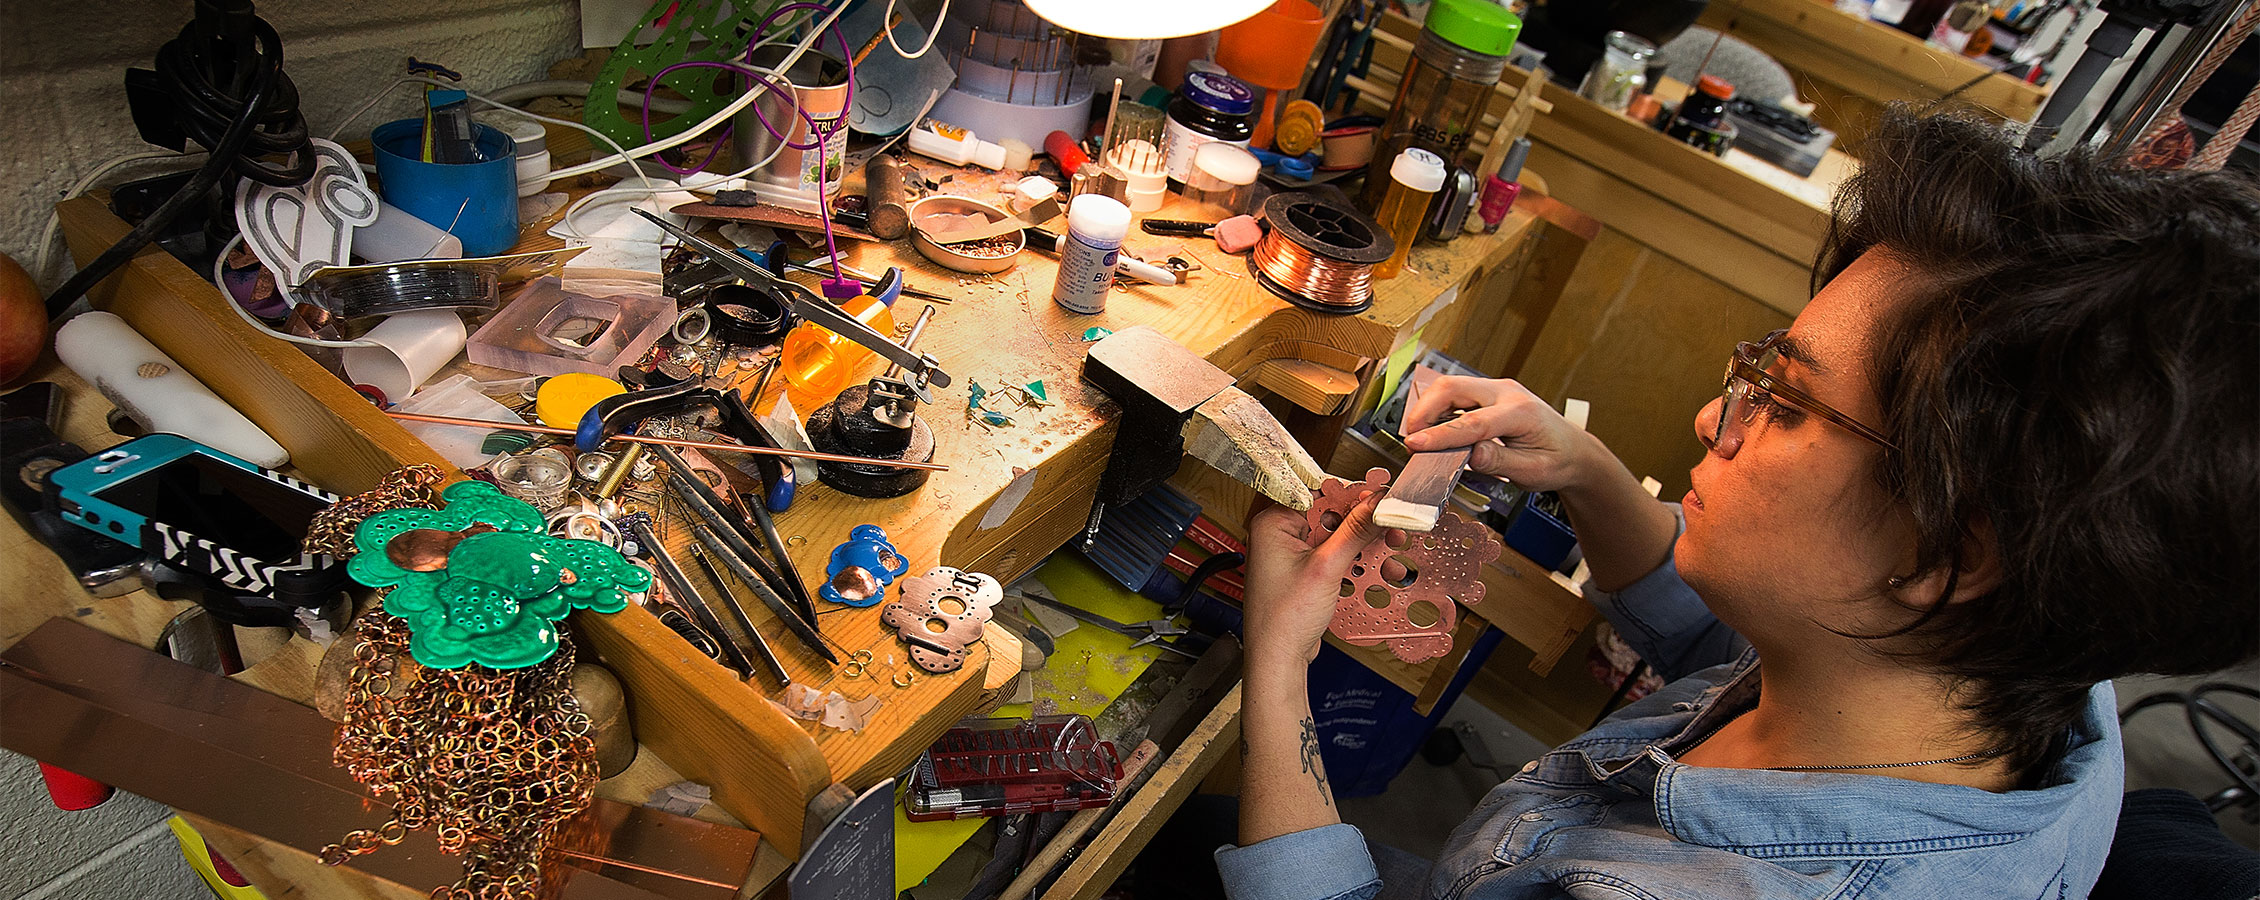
{"x":1621,"y":72}
{"x":1701,"y":121}
{"x":1414,"y":177}
{"x":1096,"y":225}
{"x":1224,"y":175}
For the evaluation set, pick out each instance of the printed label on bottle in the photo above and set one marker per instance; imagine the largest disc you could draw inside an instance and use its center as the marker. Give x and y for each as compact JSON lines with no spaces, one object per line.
{"x":1086,"y":271}
{"x":944,"y":129}
{"x":820,"y":169}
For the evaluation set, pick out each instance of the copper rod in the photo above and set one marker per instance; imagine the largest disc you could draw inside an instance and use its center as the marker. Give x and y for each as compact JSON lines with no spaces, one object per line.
{"x":671,"y":442}
{"x":608,"y":861}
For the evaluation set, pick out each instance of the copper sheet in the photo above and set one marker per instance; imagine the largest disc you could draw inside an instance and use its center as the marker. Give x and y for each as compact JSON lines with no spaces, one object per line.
{"x":1445,"y":567}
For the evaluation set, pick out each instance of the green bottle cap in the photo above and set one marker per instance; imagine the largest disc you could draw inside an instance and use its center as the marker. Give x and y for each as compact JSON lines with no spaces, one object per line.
{"x":1477,"y":25}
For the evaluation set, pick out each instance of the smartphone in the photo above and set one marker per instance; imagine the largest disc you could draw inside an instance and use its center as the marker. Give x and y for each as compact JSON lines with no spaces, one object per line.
{"x":210,"y":514}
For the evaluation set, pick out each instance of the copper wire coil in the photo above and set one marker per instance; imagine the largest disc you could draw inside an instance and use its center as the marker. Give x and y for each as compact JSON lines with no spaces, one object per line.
{"x":1319,"y":279}
{"x":1318,"y":255}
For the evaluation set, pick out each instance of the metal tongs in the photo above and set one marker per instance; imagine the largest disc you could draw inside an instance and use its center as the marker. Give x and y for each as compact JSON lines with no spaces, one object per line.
{"x":807,"y":305}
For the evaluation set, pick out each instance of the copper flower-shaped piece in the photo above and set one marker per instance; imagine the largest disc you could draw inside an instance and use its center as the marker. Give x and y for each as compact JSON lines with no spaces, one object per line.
{"x":480,"y":580}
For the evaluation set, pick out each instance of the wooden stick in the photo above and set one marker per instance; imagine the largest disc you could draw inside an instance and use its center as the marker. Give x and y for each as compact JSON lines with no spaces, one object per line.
{"x":670,"y":442}
{"x":1106,"y":138}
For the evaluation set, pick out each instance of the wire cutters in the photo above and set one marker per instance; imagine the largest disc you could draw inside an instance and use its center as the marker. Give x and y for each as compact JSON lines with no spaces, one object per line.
{"x":1147,"y":632}
{"x":1156,"y":630}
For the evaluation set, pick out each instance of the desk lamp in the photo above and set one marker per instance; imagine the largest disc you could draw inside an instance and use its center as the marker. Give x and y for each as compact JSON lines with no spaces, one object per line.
{"x":1148,"y":20}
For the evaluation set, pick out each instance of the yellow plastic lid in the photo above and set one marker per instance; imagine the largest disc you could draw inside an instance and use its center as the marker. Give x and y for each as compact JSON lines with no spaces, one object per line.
{"x":564,"y":399}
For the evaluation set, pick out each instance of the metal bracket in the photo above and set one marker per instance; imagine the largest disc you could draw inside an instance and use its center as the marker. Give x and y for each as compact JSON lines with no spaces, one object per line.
{"x":940,"y":615}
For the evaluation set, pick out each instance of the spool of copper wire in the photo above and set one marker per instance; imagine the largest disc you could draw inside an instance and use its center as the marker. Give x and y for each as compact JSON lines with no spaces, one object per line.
{"x":1317,"y":255}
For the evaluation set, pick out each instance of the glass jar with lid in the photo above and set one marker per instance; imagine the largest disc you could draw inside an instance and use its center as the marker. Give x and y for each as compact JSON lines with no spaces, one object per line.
{"x":1620,"y":73}
{"x":1208,"y":107}
{"x":1447,"y":85}
{"x":1701,"y":121}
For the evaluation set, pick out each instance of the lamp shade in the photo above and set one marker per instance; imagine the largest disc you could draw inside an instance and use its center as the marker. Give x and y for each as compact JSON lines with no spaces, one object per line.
{"x":1145,"y":19}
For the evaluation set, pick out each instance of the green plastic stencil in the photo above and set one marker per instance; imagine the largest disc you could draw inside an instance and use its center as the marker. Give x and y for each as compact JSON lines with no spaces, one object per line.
{"x":480,"y":581}
{"x":724,"y":32}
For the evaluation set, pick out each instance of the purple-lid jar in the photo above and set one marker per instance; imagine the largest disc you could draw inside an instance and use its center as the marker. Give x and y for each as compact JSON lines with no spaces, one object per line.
{"x":1208,"y":107}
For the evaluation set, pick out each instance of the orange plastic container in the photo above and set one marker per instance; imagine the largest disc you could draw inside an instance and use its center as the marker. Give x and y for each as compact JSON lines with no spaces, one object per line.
{"x":1270,"y":50}
{"x":818,"y":364}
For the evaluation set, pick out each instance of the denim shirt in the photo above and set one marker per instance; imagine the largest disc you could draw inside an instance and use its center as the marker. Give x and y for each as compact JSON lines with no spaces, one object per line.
{"x":1614,"y":815}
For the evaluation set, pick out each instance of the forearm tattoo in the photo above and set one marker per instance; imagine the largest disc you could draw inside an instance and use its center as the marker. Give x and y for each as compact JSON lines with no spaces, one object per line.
{"x":1311,"y":761}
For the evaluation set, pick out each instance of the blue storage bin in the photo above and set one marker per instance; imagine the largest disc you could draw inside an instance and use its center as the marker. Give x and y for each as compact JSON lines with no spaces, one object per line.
{"x":1367,"y":729}
{"x":476,"y":202}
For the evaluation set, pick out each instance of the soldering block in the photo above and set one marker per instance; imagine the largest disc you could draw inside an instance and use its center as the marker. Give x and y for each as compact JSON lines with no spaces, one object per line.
{"x":1238,"y":234}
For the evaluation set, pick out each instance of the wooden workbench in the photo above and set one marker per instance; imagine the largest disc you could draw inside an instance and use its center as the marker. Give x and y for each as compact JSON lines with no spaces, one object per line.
{"x":697,"y":717}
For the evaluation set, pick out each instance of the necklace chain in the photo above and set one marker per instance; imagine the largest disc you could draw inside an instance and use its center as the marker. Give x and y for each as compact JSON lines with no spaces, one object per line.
{"x":1897,"y":765}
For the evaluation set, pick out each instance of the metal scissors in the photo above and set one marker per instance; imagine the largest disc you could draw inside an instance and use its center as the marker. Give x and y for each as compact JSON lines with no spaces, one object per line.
{"x":1151,"y":631}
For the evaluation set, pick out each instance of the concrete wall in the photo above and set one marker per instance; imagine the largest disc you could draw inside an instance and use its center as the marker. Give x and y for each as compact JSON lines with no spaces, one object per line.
{"x":62,"y":69}
{"x":118,"y":850}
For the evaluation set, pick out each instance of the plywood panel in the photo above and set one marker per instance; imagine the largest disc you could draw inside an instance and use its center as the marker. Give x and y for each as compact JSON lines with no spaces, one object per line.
{"x":1643,"y":337}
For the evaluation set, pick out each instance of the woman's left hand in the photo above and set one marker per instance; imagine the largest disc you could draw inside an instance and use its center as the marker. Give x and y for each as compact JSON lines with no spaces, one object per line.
{"x":1292,"y":585}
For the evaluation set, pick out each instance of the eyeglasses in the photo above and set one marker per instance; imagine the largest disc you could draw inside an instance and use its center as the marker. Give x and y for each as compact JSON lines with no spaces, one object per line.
{"x":1750,"y":385}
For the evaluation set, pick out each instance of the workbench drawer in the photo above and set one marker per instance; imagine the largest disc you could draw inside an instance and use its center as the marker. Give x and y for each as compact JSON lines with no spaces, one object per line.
{"x":1111,"y":850}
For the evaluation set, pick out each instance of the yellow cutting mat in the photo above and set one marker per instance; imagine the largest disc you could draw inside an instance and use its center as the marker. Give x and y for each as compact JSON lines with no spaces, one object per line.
{"x":1091,"y":665}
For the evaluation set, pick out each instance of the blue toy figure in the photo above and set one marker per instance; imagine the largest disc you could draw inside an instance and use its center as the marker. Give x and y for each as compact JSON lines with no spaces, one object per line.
{"x":862,"y":568}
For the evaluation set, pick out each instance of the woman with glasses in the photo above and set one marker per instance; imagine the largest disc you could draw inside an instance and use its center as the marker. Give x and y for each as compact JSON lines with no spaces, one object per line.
{"x":2007,"y":453}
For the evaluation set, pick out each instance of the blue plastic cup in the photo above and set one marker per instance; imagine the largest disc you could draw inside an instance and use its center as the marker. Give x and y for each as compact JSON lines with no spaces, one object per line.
{"x":476,"y":202}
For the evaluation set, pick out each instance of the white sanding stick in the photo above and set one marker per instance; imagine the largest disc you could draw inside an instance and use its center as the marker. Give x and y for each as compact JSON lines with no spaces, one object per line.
{"x":149,"y":386}
{"x":1416,"y":499}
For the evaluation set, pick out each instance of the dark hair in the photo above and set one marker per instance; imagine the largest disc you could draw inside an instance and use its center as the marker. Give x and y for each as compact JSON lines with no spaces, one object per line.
{"x":2077,"y":373}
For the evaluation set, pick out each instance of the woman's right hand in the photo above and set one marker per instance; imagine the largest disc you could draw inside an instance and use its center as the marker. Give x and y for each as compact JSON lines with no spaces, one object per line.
{"x":1516,"y":436}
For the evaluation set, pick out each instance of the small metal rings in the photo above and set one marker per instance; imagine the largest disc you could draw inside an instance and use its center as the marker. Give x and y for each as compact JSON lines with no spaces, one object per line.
{"x":796,"y":540}
{"x":903,"y":679}
{"x":693,"y":326}
{"x":854,"y":669}
{"x":584,"y":522}
{"x":861,"y":656}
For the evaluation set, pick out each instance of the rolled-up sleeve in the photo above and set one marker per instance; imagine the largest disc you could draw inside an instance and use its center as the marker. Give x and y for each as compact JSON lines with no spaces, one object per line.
{"x":1329,"y":863}
{"x":1665,"y":622}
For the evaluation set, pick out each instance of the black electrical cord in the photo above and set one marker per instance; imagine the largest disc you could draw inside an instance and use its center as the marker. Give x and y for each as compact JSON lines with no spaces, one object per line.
{"x":2199,"y":710}
{"x":224,"y":74}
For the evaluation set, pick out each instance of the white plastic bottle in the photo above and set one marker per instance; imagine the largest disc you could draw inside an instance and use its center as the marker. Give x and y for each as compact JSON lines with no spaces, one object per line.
{"x":954,"y":145}
{"x":1096,"y":225}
